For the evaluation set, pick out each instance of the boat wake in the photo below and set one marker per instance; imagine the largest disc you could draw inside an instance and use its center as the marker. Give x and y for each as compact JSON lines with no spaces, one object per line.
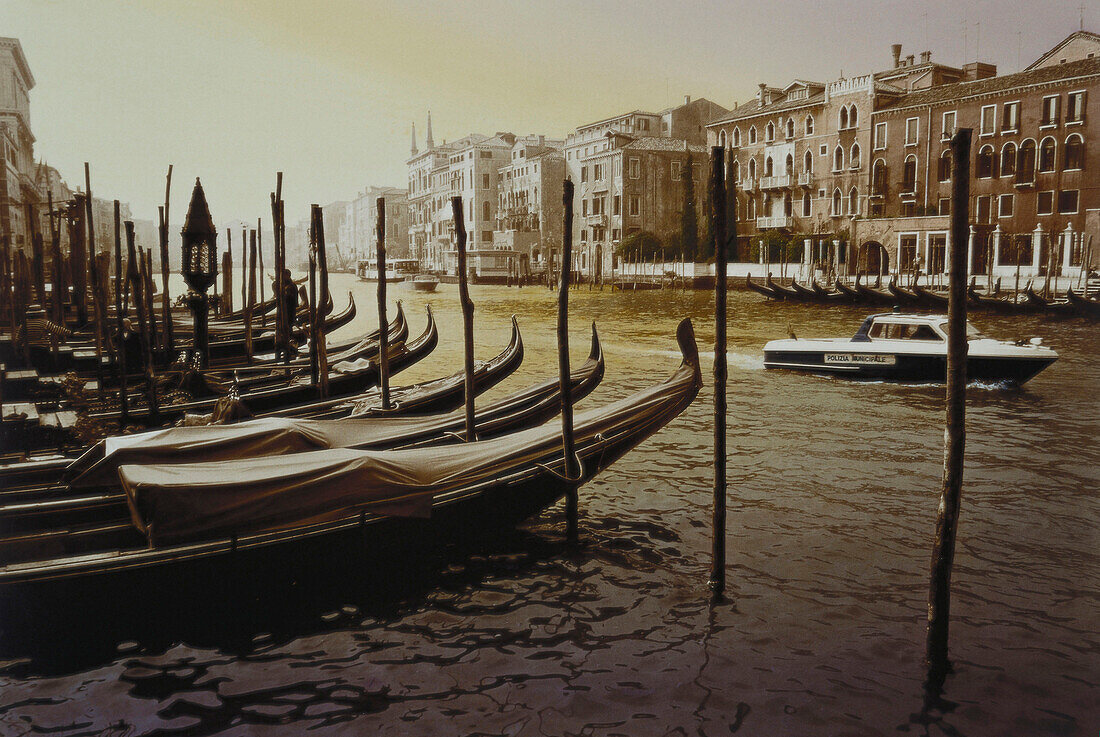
{"x":743,"y":361}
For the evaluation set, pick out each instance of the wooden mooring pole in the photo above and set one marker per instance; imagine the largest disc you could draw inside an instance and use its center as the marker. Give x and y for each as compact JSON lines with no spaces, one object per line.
{"x":943,"y":547}
{"x":467,"y":316}
{"x":383,"y":323}
{"x":165,"y":300}
{"x":718,"y":229}
{"x":571,"y":467}
{"x":121,"y":354}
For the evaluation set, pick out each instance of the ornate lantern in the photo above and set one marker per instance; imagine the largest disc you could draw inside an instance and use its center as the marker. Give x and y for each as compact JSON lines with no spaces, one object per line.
{"x":200,"y":265}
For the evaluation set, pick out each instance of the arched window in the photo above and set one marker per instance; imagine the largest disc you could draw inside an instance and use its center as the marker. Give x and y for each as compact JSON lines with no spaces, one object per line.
{"x":736,"y":171}
{"x":722,"y":139}
{"x":752,"y":134}
{"x":909,"y":174}
{"x":985,"y":162}
{"x":853,"y":117}
{"x":790,"y":127}
{"x":752,"y":208}
{"x":943,"y":172}
{"x":843,"y":122}
{"x":808,"y":162}
{"x":768,"y":166}
{"x":788,"y":168}
{"x":807,"y":205}
{"x":837,"y":197}
{"x":769,"y":131}
{"x":1048,"y":150}
{"x":1075,"y":152}
{"x":838,"y":159}
{"x":752,"y":168}
{"x":854,"y":163}
{"x":809,"y":125}
{"x":485,"y":211}
{"x":788,"y":204}
{"x":1008,"y":160}
{"x":737,"y":137}
{"x":878,"y":178}
{"x":853,"y":201}
{"x":1025,"y":162}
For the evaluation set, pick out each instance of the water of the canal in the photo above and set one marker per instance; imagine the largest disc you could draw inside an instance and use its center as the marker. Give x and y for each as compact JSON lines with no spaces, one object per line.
{"x":833,"y":488}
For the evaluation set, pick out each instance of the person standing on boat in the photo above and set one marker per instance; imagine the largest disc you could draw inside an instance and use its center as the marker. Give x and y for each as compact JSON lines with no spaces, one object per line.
{"x":36,"y":332}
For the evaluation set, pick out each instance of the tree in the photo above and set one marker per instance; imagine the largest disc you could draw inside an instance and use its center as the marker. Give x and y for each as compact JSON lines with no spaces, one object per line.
{"x":644,"y":243}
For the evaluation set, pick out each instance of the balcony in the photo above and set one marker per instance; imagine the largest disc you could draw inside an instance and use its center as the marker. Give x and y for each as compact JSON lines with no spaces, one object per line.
{"x":775,"y":182}
{"x":596,"y":220}
{"x":783,"y":221}
{"x":806,"y":179}
{"x":748,"y":184}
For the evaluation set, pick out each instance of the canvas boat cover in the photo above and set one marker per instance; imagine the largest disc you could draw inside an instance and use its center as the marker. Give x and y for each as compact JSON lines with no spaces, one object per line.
{"x":173,"y":502}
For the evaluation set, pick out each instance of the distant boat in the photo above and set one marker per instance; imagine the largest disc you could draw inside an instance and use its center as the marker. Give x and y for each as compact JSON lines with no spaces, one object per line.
{"x":909,"y":348}
{"x":397,"y":270}
{"x":424,"y":282}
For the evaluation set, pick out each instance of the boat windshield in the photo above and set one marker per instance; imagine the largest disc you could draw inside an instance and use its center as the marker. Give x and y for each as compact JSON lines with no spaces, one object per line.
{"x":972,"y":333}
{"x":885,"y":330}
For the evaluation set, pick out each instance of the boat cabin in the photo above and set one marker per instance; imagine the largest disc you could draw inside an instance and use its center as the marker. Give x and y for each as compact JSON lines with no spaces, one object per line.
{"x":895,"y":326}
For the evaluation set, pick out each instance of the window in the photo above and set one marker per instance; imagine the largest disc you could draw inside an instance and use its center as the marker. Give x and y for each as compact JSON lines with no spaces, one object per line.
{"x":808,"y":163}
{"x":790,"y":128}
{"x":807,"y":205}
{"x":878,"y":179}
{"x":1044,"y":203}
{"x":853,"y":117}
{"x":752,"y":134}
{"x":854,"y":162}
{"x":736,"y":136}
{"x":1075,"y":107}
{"x":584,"y":208}
{"x":853,"y":201}
{"x":635,"y":168}
{"x":1025,"y":162}
{"x":983,"y":208}
{"x":943,"y":170}
{"x":880,"y":136}
{"x":912,"y":129}
{"x":909,"y":174}
{"x":788,"y":205}
{"x":768,"y":166}
{"x":486,"y":236}
{"x":1075,"y":153}
{"x":722,"y":139}
{"x":788,"y":165}
{"x":908,"y":209}
{"x":985,"y":162}
{"x":486,"y":211}
{"x":769,"y":132}
{"x":843,"y":118}
{"x":1010,"y":117}
{"x":1050,"y":111}
{"x":1067,"y":202}
{"x":1008,"y":160}
{"x":597,"y":172}
{"x":752,"y":168}
{"x":736,"y":171}
{"x":944,"y":206}
{"x":838,"y":158}
{"x":837,"y":203}
{"x":1047,"y":153}
{"x":907,"y":252}
{"x":988,"y":121}
{"x":1005,"y":205}
{"x":948,"y":126}
{"x":635,"y":206}
{"x":677,"y":170}
{"x":824,"y":149}
{"x":584,"y":173}
{"x":809,"y":125}
{"x":616,"y":205}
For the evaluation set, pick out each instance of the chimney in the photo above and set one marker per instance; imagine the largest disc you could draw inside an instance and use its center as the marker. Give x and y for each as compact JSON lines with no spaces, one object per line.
{"x":413,"y":150}
{"x":976,"y":70}
{"x":542,"y":140}
{"x":429,"y":143}
{"x":896,"y":50}
{"x":909,"y":60}
{"x":687,"y":99}
{"x":925,"y":57}
{"x":760,"y":93}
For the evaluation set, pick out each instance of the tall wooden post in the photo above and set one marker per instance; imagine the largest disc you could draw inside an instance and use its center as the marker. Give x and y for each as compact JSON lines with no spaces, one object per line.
{"x":141,"y":303}
{"x":313,"y":311}
{"x":260,"y":251}
{"x":943,"y":547}
{"x":467,"y":316}
{"x":56,"y":277}
{"x":323,"y":303}
{"x":383,"y":330}
{"x":718,"y":228}
{"x":571,"y":467}
{"x":227,"y":273}
{"x":165,"y":264}
{"x":251,"y":302}
{"x":121,"y":356}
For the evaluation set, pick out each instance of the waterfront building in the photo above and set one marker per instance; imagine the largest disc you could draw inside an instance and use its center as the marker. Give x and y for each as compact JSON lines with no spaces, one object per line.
{"x":18,"y":169}
{"x":1034,"y":158}
{"x":530,"y":210}
{"x":359,"y":233}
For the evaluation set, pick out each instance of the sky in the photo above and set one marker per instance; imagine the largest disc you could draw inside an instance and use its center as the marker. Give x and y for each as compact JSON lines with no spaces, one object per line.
{"x":326,"y":92}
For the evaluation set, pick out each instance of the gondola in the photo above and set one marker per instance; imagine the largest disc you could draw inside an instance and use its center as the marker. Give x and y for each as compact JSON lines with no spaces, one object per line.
{"x":853,"y":295}
{"x":17,"y":480}
{"x":1051,"y":307}
{"x":805,"y":294}
{"x":903,"y":296}
{"x":347,"y":381}
{"x":1083,"y":305}
{"x":761,"y":289}
{"x":930,"y":299}
{"x":784,"y":292}
{"x":825,"y":296}
{"x":873,"y":296}
{"x":319,"y":507}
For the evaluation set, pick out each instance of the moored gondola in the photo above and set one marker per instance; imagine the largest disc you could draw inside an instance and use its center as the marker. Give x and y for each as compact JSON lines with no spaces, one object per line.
{"x":761,"y":289}
{"x":1082,"y":305}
